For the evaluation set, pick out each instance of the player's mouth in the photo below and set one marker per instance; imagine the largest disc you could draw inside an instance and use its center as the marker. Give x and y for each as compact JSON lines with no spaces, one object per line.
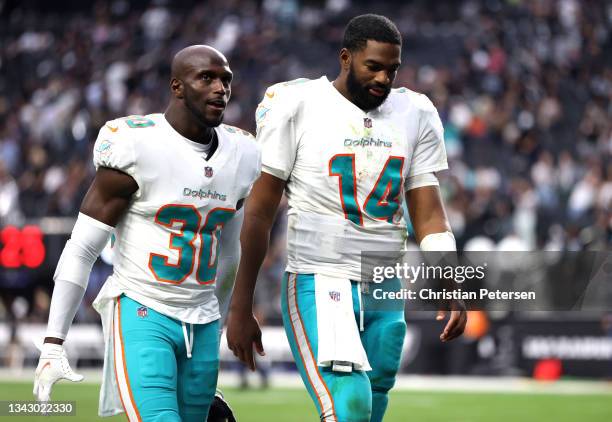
{"x":217,"y":105}
{"x":377,"y":92}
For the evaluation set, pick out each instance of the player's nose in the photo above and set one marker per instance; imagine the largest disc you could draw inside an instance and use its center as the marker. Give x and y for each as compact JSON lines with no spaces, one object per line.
{"x":383,"y":78}
{"x":219,"y":87}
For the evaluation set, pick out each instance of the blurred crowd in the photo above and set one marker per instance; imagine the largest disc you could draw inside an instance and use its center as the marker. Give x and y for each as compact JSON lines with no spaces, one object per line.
{"x":523,"y":88}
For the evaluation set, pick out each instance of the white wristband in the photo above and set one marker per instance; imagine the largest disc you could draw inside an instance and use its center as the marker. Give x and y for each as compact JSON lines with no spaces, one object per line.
{"x":442,"y":242}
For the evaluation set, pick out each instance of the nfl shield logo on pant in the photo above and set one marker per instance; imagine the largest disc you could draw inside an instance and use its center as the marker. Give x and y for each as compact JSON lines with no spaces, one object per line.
{"x":142,"y":312}
{"x":335,"y":296}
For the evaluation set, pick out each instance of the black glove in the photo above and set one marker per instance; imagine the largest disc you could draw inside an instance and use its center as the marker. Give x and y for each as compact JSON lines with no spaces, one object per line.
{"x":220,"y":410}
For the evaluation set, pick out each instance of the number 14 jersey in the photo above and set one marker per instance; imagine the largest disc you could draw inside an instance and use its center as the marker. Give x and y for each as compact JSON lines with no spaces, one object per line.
{"x":346,"y":169}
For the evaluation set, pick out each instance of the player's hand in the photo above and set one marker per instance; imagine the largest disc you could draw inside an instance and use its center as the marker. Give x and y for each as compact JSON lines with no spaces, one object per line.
{"x":220,"y":410}
{"x":244,"y":334}
{"x":455,"y":325}
{"x":52,"y":366}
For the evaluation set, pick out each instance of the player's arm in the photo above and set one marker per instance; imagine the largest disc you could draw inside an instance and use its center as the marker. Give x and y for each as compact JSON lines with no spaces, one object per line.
{"x":229,"y":257}
{"x":104,"y":204}
{"x":243,"y":332}
{"x":433,"y":233}
{"x":427,"y":211}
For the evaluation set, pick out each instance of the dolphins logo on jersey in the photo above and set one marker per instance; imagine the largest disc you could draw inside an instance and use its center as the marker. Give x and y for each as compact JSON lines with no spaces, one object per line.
{"x":260,"y":113}
{"x":104,"y":148}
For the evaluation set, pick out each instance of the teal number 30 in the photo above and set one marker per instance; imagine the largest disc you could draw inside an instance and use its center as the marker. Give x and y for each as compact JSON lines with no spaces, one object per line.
{"x":383,"y":201}
{"x":185,"y":243}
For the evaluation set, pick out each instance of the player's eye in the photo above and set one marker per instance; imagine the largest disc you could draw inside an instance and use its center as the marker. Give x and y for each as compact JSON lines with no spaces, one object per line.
{"x":207,"y":77}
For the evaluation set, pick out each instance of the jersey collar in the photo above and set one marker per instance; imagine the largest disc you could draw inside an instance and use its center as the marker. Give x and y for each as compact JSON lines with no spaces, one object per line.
{"x":215,"y":148}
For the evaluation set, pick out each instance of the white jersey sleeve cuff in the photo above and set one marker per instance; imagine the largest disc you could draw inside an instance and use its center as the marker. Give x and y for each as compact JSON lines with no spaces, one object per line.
{"x":275,"y":172}
{"x":427,"y":179}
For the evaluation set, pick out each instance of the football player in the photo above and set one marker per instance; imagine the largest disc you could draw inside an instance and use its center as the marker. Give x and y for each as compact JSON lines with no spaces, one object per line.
{"x":170,"y":188}
{"x":347,"y":153}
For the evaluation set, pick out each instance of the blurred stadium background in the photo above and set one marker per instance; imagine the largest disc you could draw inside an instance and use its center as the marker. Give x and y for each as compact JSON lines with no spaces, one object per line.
{"x":524,"y":89}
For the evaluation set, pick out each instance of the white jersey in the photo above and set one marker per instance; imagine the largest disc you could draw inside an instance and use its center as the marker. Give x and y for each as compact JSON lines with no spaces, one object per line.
{"x":346,"y":169}
{"x":166,"y":245}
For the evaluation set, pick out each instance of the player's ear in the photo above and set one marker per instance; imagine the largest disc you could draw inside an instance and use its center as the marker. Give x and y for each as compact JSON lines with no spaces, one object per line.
{"x":176,"y":86}
{"x":345,"y":59}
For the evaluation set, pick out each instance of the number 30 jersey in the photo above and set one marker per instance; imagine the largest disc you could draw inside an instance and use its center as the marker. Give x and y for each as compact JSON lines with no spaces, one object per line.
{"x":166,"y":245}
{"x":346,"y":169}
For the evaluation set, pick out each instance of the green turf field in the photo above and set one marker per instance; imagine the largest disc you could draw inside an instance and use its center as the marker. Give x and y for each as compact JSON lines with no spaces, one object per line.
{"x":293,"y":405}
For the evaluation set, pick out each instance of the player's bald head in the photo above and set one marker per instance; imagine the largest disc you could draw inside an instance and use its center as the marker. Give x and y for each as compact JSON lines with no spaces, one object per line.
{"x":195,"y":57}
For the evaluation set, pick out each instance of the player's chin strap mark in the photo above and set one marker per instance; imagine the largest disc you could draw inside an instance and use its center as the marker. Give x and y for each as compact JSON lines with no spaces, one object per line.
{"x":188,"y":340}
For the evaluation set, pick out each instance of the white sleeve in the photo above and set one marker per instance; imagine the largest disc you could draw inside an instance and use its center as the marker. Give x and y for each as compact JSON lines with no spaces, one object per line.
{"x":425,"y":179}
{"x":276,"y":131}
{"x":88,"y":239}
{"x":114,"y":149}
{"x":256,"y":159}
{"x":429,"y":153}
{"x":65,"y":302}
{"x":229,"y":257}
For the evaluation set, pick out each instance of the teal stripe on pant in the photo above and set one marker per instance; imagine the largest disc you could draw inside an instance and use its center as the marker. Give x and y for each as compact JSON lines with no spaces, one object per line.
{"x":344,"y":397}
{"x":166,"y":385}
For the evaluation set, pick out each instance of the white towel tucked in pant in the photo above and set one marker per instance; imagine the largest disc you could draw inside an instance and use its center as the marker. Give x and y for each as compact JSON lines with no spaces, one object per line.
{"x":110,"y":401}
{"x":338,"y":335}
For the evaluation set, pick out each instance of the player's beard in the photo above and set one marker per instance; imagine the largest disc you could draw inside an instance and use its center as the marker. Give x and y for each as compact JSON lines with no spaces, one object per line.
{"x":360,"y":95}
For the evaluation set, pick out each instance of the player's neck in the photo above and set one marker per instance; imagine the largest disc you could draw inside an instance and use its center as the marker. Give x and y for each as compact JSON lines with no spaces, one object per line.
{"x":187,"y":127}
